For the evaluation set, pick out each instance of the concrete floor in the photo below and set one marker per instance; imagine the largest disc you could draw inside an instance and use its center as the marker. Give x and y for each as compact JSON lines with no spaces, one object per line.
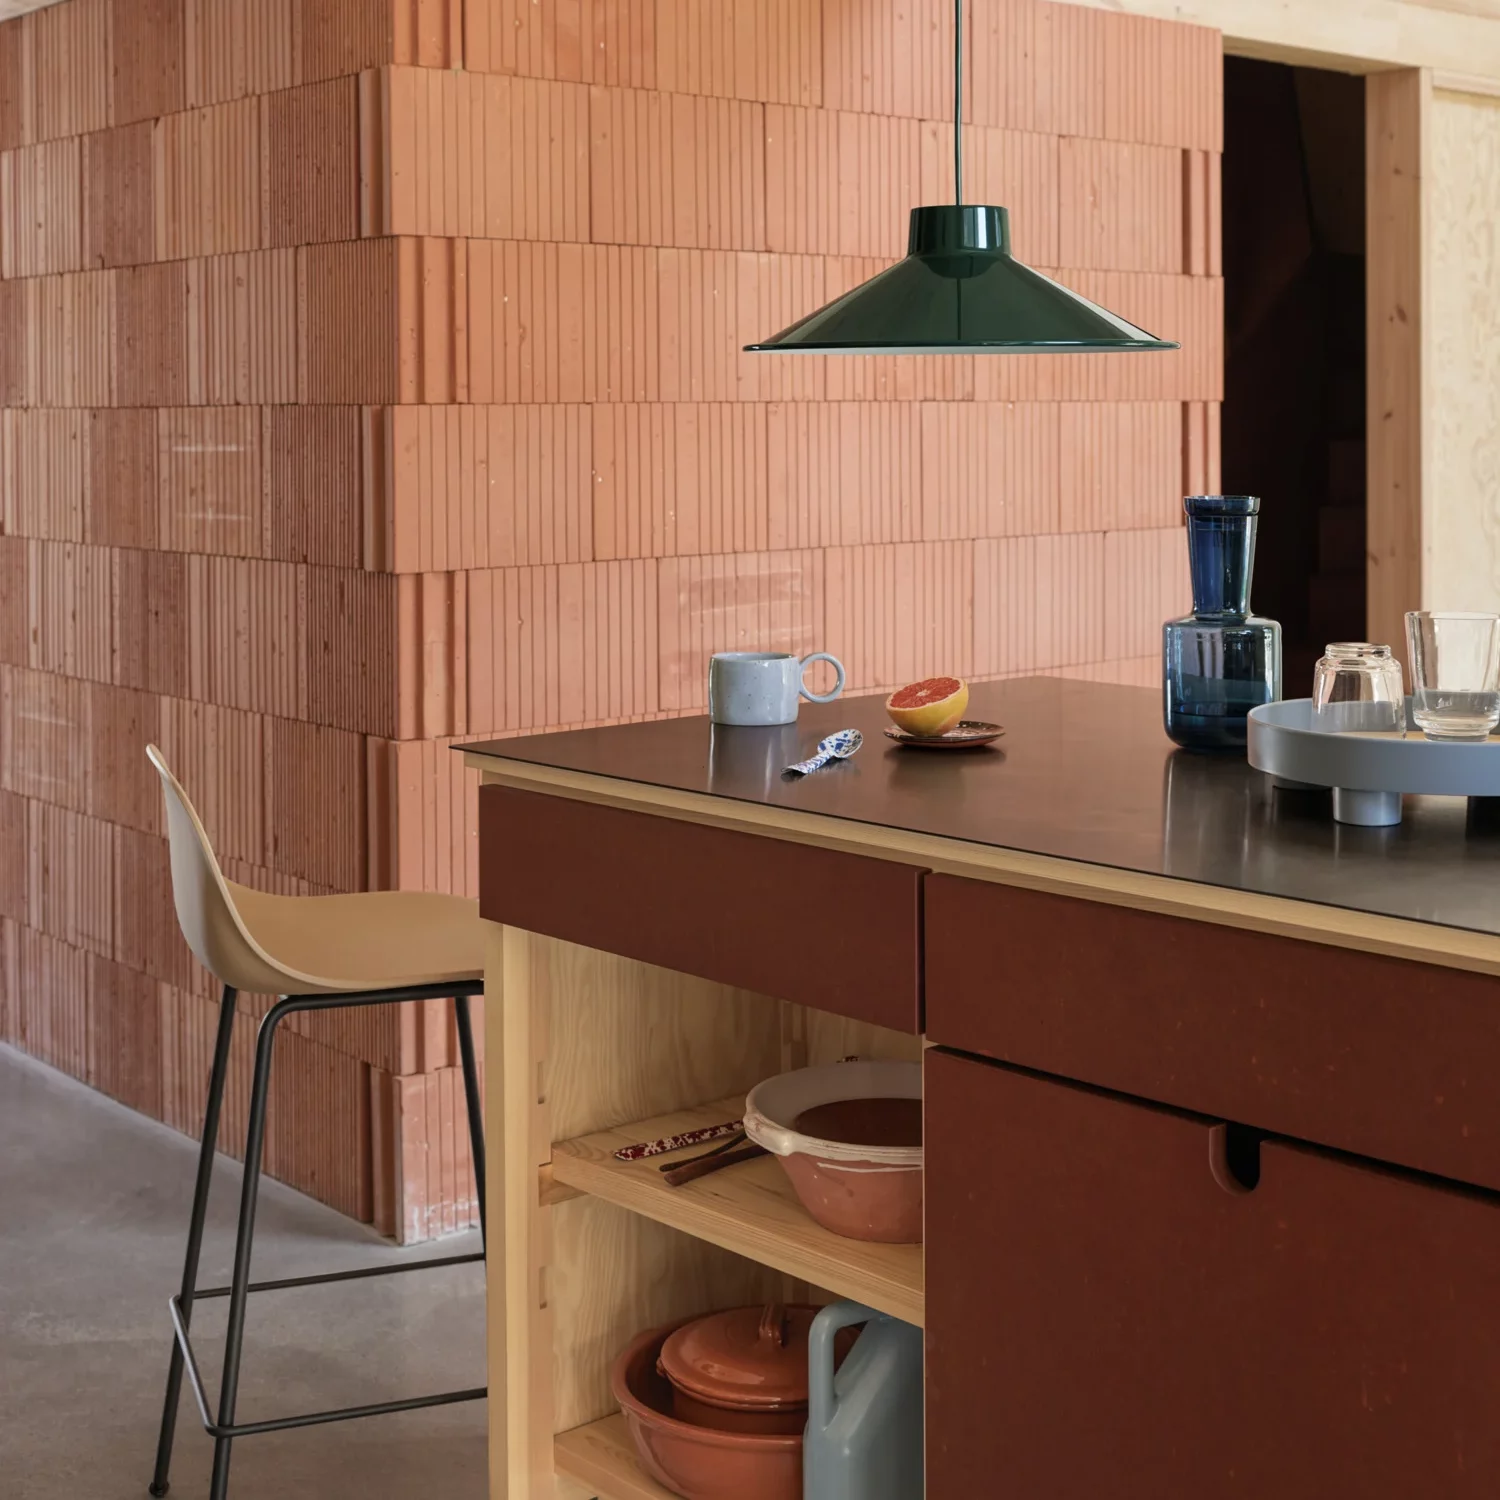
{"x":94,"y":1203}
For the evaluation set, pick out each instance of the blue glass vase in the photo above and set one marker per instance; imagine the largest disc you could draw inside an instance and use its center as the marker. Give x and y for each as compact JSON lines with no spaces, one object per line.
{"x":1220,"y":661}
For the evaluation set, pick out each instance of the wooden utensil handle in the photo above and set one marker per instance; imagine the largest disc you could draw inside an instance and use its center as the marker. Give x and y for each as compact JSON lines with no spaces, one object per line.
{"x":691,"y":1170}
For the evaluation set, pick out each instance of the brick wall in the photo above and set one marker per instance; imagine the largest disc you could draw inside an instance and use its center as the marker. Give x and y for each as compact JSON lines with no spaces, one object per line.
{"x":372,"y":380}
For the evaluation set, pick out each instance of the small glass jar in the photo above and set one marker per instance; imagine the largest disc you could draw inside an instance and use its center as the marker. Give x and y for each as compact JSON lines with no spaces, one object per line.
{"x":1357,"y":688}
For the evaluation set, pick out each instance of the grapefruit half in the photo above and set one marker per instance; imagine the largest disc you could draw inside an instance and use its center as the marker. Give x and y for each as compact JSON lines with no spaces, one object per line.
{"x":930,"y":707}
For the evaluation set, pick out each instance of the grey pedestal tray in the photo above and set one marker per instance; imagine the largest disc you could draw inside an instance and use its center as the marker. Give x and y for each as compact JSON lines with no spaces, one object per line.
{"x":1368,"y":772}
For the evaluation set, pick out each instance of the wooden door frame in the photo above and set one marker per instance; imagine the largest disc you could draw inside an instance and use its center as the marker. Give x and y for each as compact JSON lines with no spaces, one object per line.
{"x":1408,"y":50}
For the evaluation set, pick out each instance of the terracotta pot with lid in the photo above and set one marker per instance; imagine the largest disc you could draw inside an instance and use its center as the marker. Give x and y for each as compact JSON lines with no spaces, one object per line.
{"x":744,"y":1370}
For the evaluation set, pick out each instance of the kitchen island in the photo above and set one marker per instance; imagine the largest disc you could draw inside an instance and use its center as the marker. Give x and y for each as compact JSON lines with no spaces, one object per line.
{"x":1212,"y":1133}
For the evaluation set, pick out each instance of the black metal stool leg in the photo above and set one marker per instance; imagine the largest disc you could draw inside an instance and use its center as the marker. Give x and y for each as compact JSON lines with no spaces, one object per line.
{"x":255,"y":1140}
{"x":471,"y":1099}
{"x":216,"y":1077}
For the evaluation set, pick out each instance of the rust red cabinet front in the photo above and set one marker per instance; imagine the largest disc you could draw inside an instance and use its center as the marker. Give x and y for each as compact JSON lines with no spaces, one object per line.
{"x":823,"y":927}
{"x":1111,"y":1314}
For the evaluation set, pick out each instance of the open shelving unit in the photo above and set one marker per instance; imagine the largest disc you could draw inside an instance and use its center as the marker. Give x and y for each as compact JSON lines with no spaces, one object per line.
{"x":601,"y":1052}
{"x":749,"y":1208}
{"x":602,"y":1458}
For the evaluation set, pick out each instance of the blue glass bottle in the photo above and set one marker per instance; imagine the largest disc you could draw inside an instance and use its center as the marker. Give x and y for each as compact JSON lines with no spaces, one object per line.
{"x":1220,"y":661}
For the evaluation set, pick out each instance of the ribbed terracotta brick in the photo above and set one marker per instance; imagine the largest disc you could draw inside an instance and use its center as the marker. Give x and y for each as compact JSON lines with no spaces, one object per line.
{"x":70,"y":864}
{"x":771,"y":51}
{"x":119,"y":196}
{"x":350,"y":650}
{"x":217,"y":753}
{"x":843,"y":473}
{"x":70,"y":609}
{"x":314,"y":823}
{"x":124,"y":1035}
{"x":17,"y":72}
{"x":41,"y":207}
{"x":45,"y":754}
{"x":990,"y":469}
{"x":1145,"y":582}
{"x":584,"y":41}
{"x":234,"y":50}
{"x":122,"y":785}
{"x":1121,"y":207}
{"x":42,"y":469}
{"x":889,"y":60}
{"x":242,"y":329}
{"x":706,"y":185}
{"x":207,"y":181}
{"x":121,"y":498}
{"x":52,"y":1001}
{"x":71,"y":68}
{"x":335,"y":37}
{"x":209,"y":467}
{"x":770,"y":601}
{"x":14,"y":875}
{"x":148,"y":57}
{"x":1120,"y":465}
{"x":14,"y":613}
{"x":146,"y":934}
{"x":15,"y":318}
{"x":684,"y":478}
{"x":151,"y":622}
{"x":491,"y":157}
{"x":347,"y":313}
{"x":313,"y":484}
{"x":563,"y":645}
{"x":151,"y":336}
{"x":312,"y":164}
{"x":898,"y":611}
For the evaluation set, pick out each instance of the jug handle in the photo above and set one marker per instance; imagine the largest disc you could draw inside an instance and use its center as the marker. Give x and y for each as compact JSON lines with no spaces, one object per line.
{"x":825,"y":1327}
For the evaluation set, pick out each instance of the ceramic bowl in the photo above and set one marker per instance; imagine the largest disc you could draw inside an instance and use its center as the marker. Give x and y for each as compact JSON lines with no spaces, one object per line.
{"x":862,"y":1193}
{"x":697,"y":1462}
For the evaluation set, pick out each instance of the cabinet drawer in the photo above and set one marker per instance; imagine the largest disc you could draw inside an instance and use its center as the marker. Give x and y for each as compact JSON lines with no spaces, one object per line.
{"x":1379,"y":1056}
{"x":1105,"y":1318}
{"x":824,"y":928}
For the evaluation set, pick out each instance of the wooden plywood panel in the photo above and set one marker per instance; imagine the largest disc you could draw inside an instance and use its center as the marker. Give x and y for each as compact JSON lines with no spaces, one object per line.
{"x":1461,"y":479}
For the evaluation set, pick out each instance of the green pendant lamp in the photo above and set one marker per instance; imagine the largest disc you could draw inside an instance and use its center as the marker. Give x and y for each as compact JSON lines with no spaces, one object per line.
{"x":959,"y":290}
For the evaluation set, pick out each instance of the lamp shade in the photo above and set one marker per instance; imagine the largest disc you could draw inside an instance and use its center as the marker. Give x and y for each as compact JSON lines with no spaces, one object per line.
{"x":959,"y":291}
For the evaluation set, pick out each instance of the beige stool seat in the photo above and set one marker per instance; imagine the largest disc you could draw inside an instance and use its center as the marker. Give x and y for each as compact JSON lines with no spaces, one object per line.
{"x":373,"y":940}
{"x":311,"y":945}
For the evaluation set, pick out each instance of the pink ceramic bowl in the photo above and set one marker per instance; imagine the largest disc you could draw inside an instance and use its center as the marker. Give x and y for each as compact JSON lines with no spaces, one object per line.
{"x":696,"y":1462}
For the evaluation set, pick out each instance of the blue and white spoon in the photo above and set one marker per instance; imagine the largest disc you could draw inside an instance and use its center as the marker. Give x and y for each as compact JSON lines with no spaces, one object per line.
{"x":838,"y":746}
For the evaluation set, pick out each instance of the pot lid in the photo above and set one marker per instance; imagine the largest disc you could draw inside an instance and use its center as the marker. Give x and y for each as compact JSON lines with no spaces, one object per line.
{"x":749,"y":1359}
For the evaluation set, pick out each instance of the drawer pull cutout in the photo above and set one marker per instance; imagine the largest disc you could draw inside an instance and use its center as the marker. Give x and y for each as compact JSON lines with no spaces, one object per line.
{"x":1234,"y":1157}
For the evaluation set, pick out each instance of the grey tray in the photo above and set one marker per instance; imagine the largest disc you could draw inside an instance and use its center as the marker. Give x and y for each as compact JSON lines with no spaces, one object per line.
{"x":1368,"y":772}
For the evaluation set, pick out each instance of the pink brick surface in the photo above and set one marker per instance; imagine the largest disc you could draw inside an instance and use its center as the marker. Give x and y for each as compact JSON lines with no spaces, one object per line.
{"x":370,"y":380}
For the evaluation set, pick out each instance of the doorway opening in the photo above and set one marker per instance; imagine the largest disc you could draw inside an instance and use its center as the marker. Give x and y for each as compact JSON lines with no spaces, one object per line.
{"x":1293,"y":422}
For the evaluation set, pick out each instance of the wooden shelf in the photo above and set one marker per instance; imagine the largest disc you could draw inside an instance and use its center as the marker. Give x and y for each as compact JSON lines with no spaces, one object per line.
{"x":750,"y":1209}
{"x":601,"y":1457}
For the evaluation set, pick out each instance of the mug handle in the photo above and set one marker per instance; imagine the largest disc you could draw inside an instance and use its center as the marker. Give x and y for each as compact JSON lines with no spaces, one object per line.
{"x":833,"y":662}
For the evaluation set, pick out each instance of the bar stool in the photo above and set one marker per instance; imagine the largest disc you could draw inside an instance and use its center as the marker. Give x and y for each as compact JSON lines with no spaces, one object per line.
{"x":317,"y":953}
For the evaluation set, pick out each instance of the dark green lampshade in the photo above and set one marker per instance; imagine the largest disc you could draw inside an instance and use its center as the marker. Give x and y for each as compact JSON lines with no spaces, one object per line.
{"x":959,"y":291}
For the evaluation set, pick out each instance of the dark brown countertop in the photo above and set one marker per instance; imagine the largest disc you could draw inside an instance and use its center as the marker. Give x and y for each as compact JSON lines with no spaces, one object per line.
{"x":1084,"y":773}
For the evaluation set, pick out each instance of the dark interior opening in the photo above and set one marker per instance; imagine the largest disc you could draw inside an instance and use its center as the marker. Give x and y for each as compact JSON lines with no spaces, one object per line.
{"x":1294,"y":314}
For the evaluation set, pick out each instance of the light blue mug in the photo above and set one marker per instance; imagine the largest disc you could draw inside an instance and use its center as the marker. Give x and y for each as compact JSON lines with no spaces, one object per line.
{"x":763,"y":687}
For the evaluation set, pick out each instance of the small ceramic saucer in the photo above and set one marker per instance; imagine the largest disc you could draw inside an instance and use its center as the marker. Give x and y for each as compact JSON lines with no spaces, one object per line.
{"x":967,"y":734}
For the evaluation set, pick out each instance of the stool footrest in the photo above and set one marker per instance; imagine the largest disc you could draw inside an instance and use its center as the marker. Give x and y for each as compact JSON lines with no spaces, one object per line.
{"x":322,"y":1277}
{"x":315,"y":1418}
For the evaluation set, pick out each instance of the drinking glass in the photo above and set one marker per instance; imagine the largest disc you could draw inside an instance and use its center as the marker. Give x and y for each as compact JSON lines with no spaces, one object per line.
{"x":1357,"y":687}
{"x":1455,"y":673}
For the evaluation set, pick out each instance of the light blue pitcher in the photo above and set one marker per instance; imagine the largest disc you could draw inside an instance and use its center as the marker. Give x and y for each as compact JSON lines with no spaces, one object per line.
{"x":864,"y":1424}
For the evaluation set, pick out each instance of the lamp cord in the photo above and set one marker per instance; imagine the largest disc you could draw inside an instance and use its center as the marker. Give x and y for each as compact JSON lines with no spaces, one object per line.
{"x":958,"y":102}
